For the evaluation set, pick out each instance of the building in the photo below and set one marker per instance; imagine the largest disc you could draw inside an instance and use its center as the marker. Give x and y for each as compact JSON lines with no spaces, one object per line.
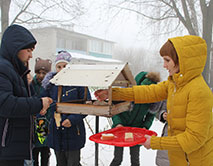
{"x":82,"y":47}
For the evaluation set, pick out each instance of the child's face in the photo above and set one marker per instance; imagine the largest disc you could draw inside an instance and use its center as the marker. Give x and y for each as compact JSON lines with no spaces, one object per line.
{"x":40,"y":75}
{"x":59,"y":66}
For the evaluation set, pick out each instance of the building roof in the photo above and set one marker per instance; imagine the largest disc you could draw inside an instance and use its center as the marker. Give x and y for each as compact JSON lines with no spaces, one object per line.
{"x":65,"y":30}
{"x":89,"y":58}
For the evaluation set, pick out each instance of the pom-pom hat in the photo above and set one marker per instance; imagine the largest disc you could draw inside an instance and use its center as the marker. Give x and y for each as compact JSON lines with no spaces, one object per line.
{"x":63,"y":56}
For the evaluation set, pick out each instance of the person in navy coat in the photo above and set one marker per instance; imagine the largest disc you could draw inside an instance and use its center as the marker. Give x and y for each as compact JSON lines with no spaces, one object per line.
{"x":69,"y":137}
{"x":17,"y":106}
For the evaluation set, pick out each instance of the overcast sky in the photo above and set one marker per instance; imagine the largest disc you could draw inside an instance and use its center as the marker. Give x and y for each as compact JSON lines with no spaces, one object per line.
{"x":124,"y":29}
{"x":98,"y":21}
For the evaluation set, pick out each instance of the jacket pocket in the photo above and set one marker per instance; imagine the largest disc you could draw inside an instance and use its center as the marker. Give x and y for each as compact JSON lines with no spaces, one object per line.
{"x":5,"y":130}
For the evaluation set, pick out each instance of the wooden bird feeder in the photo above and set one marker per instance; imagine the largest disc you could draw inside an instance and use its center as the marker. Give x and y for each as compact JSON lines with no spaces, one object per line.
{"x":94,"y":75}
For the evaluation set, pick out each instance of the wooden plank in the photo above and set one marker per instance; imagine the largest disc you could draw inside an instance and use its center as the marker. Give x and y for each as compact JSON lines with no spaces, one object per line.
{"x":57,"y":115}
{"x":59,"y":93}
{"x":110,"y":95}
{"x":121,"y":83}
{"x":121,"y":107}
{"x":68,"y":108}
{"x":106,"y":111}
{"x":121,"y":77}
{"x":128,"y":75}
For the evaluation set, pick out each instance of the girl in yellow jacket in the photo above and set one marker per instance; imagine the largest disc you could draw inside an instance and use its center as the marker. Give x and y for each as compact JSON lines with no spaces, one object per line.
{"x":189,"y":103}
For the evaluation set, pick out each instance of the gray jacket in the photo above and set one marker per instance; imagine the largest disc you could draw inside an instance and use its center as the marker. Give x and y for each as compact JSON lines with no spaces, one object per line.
{"x":162,"y":155}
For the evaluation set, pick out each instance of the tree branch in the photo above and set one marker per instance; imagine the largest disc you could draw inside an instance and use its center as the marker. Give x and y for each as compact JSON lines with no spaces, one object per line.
{"x":22,"y":11}
{"x":194,"y":15}
{"x":144,"y":15}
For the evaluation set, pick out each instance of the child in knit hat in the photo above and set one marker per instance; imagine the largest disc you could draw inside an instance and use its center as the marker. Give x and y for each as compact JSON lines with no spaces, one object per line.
{"x":42,"y":67}
{"x":67,"y":131}
{"x":62,"y":59}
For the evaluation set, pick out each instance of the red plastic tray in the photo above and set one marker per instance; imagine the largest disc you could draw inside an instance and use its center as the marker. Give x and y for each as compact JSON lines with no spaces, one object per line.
{"x":119,"y":133}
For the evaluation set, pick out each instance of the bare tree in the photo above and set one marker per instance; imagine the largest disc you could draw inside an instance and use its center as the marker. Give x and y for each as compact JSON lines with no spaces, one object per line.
{"x":174,"y":15}
{"x":140,"y":60}
{"x":35,"y":12}
{"x":5,"y":6}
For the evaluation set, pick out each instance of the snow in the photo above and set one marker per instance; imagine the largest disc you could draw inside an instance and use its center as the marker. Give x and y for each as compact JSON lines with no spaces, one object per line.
{"x":147,"y":157}
{"x":89,"y":58}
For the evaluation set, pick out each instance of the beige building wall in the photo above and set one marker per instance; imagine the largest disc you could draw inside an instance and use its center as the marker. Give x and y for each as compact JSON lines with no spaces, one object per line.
{"x":52,"y":39}
{"x":47,"y":51}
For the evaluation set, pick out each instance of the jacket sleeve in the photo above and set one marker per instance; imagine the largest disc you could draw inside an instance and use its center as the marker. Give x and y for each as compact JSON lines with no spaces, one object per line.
{"x":165,"y":143}
{"x":160,"y":109}
{"x":116,"y":120}
{"x":12,"y":106}
{"x":150,"y":93}
{"x":141,"y":93}
{"x":148,"y":120}
{"x":45,"y":93}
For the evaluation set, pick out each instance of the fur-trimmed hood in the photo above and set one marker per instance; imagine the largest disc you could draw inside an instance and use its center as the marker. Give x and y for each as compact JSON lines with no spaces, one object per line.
{"x":145,"y":78}
{"x":153,"y":76}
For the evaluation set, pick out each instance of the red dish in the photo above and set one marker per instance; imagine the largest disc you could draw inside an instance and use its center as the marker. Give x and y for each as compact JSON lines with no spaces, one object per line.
{"x":119,"y":133}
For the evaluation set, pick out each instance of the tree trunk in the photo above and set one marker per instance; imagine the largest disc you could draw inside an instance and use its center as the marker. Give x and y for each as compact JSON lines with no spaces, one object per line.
{"x":207,"y":35}
{"x":5,"y":7}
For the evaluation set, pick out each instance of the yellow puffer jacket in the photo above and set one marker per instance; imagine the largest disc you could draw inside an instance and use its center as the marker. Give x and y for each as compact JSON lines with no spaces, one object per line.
{"x":189,"y":105}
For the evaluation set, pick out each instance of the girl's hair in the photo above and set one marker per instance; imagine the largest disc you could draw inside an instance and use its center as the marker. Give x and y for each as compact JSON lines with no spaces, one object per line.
{"x":168,"y":50}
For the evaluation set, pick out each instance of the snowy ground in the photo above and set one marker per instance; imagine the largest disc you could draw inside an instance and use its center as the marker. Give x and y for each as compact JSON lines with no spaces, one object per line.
{"x":147,"y":157}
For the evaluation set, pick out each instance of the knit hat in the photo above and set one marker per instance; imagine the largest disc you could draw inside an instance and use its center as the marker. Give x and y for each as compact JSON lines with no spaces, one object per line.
{"x":43,"y":64}
{"x":63,"y":56}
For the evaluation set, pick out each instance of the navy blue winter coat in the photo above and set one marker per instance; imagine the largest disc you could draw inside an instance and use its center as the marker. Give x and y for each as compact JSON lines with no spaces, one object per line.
{"x":16,"y":105}
{"x":65,"y":138}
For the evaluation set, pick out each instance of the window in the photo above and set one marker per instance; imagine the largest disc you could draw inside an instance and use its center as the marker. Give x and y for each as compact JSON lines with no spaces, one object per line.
{"x":107,"y":48}
{"x":61,"y":43}
{"x":95,"y":46}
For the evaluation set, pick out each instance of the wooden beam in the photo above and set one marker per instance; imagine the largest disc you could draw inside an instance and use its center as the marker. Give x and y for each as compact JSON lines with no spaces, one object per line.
{"x":68,"y":108}
{"x":106,"y":111}
{"x":121,"y":83}
{"x":110,"y":95}
{"x":59,"y":93}
{"x":121,"y":107}
{"x":128,"y":75}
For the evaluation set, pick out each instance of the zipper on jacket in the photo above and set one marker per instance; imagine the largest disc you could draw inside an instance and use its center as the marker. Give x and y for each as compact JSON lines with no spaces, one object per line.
{"x":4,"y":133}
{"x":68,"y":91}
{"x":187,"y":160}
{"x":174,"y":88}
{"x":172,"y":105}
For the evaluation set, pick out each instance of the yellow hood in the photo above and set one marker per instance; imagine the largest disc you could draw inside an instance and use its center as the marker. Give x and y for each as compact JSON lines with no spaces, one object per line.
{"x":192,"y":53}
